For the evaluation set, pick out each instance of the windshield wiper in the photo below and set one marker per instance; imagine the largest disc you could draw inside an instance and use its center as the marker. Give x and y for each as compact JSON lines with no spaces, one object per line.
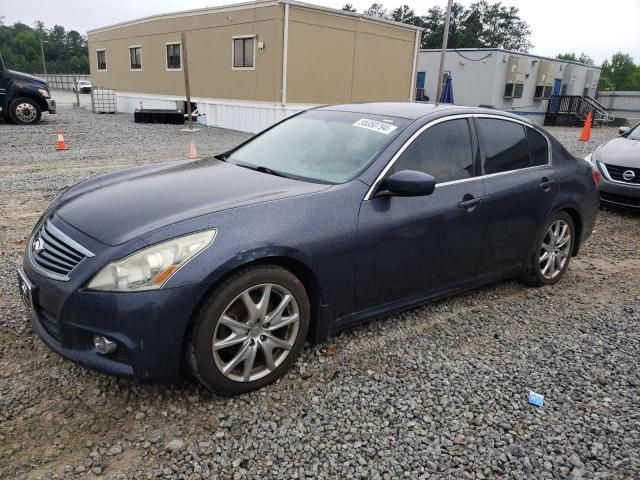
{"x":263,"y":169}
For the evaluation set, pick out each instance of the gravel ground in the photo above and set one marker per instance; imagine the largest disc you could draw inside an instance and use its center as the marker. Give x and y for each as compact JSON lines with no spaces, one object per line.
{"x":435,"y":392}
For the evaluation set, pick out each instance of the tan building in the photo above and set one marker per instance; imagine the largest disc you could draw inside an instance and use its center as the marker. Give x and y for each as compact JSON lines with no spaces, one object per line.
{"x":252,"y":64}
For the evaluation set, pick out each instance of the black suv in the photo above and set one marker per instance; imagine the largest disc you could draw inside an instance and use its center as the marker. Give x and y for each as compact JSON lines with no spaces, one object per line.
{"x":23,"y":97}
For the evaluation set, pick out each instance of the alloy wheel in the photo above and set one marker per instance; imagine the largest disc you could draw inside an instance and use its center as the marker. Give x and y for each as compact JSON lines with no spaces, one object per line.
{"x":554,"y":251}
{"x":256,"y":332}
{"x":26,"y":112}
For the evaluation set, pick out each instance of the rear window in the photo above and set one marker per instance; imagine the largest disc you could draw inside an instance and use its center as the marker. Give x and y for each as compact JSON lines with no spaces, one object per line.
{"x":505,"y":145}
{"x":538,"y":147}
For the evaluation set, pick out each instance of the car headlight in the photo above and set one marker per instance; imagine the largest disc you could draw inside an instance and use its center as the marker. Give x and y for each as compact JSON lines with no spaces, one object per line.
{"x":43,"y":92}
{"x":151,"y":267}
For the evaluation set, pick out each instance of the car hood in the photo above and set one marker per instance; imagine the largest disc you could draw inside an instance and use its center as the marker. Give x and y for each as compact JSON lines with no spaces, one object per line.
{"x":24,"y":76}
{"x":620,"y":151}
{"x":120,"y":206}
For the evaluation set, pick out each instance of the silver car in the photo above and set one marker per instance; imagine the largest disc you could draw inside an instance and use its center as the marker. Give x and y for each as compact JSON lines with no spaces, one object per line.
{"x":618,"y":161}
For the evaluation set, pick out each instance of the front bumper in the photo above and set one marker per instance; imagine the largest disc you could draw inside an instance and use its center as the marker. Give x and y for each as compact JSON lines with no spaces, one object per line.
{"x":617,"y":194}
{"x":149,"y":327}
{"x":51,"y":105}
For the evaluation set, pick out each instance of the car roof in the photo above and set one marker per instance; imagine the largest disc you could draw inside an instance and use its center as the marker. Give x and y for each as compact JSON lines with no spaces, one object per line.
{"x":414,"y":110}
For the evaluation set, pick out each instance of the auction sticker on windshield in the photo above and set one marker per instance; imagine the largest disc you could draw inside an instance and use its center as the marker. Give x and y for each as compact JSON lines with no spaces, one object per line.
{"x":380,"y":127}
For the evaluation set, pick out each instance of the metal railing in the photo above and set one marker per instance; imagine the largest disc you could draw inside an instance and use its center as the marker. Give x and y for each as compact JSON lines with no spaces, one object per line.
{"x":572,"y":110}
{"x":62,"y":81}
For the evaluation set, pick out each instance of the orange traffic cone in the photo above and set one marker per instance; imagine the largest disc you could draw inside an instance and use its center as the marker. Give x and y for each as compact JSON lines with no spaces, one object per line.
{"x":61,"y":144}
{"x":585,"y":136}
{"x":193,"y":153}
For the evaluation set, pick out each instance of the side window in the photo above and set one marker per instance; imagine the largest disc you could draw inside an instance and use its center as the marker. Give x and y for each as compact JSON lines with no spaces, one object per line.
{"x":243,"y":52}
{"x":538,"y":147}
{"x":101,"y":59}
{"x":135,"y":58}
{"x":505,"y":145}
{"x":443,"y":151}
{"x":174,"y":61}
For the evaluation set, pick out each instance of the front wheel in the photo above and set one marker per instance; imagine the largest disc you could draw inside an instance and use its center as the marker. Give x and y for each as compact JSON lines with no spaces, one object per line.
{"x":25,"y":111}
{"x":250,"y":330}
{"x":552,"y":254}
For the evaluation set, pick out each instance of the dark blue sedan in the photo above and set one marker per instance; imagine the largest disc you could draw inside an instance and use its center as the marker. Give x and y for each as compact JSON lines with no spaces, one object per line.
{"x":225,"y":266}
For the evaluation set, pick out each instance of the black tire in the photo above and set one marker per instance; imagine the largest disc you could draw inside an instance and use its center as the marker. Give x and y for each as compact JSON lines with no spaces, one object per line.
{"x":532,"y":271}
{"x":199,"y":350}
{"x":18,"y":109}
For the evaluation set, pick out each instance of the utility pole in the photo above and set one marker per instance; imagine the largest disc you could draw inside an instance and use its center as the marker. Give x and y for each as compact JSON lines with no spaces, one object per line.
{"x":44,"y":64}
{"x":445,"y":39}
{"x":187,"y":87}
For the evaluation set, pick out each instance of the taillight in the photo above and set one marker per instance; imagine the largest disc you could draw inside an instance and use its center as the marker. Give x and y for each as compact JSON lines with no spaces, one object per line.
{"x":595,"y":173}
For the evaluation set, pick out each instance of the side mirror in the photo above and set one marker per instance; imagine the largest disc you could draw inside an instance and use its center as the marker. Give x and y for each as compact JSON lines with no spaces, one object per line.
{"x":407,"y":183}
{"x":623,"y":130}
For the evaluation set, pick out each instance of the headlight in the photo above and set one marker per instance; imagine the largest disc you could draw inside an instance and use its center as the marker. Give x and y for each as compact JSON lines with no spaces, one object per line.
{"x":151,"y":267}
{"x":43,"y":92}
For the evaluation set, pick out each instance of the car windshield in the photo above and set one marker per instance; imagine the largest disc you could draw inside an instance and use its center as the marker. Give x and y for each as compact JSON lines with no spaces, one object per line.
{"x":634,"y":134}
{"x":320,"y":145}
{"x":84,"y":82}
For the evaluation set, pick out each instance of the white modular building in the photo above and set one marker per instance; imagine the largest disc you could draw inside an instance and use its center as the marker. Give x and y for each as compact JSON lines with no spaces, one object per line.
{"x":506,"y":80}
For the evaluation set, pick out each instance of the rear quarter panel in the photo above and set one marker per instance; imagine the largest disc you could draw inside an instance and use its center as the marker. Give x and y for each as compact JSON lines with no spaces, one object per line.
{"x":578,"y":192}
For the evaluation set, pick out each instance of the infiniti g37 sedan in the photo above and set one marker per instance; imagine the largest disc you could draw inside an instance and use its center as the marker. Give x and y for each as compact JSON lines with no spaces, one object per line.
{"x":223,"y":267}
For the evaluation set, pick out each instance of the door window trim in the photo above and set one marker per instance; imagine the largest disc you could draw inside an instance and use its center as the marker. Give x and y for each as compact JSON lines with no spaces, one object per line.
{"x":472,"y":116}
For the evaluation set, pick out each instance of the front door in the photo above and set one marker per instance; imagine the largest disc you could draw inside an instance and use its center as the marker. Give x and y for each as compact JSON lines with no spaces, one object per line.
{"x":409,"y":246}
{"x":521,"y":189}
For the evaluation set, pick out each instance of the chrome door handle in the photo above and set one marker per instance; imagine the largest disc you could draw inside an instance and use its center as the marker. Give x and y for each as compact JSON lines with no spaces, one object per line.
{"x":472,"y":202}
{"x":545,"y":183}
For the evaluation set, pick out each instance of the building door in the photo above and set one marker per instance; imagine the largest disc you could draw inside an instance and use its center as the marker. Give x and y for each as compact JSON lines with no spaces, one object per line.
{"x":557,"y":88}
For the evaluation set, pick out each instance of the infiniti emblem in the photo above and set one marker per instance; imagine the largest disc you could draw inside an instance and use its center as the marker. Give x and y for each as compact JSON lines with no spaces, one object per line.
{"x":38,"y":245}
{"x":628,"y":175}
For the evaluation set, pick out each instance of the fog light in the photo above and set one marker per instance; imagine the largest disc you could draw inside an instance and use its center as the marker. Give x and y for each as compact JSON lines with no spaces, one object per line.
{"x":104,"y":345}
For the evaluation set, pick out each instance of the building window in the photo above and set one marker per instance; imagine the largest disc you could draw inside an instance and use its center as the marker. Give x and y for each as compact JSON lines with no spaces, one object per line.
{"x":101,"y":57}
{"x":547,"y":92}
{"x":539,"y":91}
{"x":508,"y":90}
{"x":174,"y":61}
{"x":135,"y":58}
{"x":517,"y":90}
{"x":243,"y":52}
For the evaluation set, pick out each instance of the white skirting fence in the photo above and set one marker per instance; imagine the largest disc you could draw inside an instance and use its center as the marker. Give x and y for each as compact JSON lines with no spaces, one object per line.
{"x":244,"y":116}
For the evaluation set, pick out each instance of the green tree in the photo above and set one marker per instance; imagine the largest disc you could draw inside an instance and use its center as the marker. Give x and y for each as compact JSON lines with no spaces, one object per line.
{"x":376,"y":10}
{"x":572,"y":57}
{"x":65,"y":52}
{"x":480,"y":25}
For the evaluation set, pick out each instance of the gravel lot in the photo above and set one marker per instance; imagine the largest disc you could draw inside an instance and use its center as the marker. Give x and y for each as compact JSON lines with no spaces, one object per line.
{"x":435,"y":392}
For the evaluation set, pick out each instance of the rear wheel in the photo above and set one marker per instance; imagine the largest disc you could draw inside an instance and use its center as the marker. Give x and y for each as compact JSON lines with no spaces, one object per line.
{"x":25,"y":111}
{"x":250,"y":330}
{"x":552,"y":254}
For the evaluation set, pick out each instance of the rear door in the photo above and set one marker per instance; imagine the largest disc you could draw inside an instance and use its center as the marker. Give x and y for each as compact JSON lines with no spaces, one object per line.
{"x":521,"y":188}
{"x":413,"y":245}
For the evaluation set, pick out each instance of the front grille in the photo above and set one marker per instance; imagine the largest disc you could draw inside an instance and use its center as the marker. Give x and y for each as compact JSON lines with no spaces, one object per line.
{"x":617,"y":173}
{"x":56,"y":253}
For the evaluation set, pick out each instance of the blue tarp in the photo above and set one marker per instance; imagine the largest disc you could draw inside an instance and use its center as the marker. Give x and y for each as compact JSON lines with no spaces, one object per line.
{"x":447,"y":92}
